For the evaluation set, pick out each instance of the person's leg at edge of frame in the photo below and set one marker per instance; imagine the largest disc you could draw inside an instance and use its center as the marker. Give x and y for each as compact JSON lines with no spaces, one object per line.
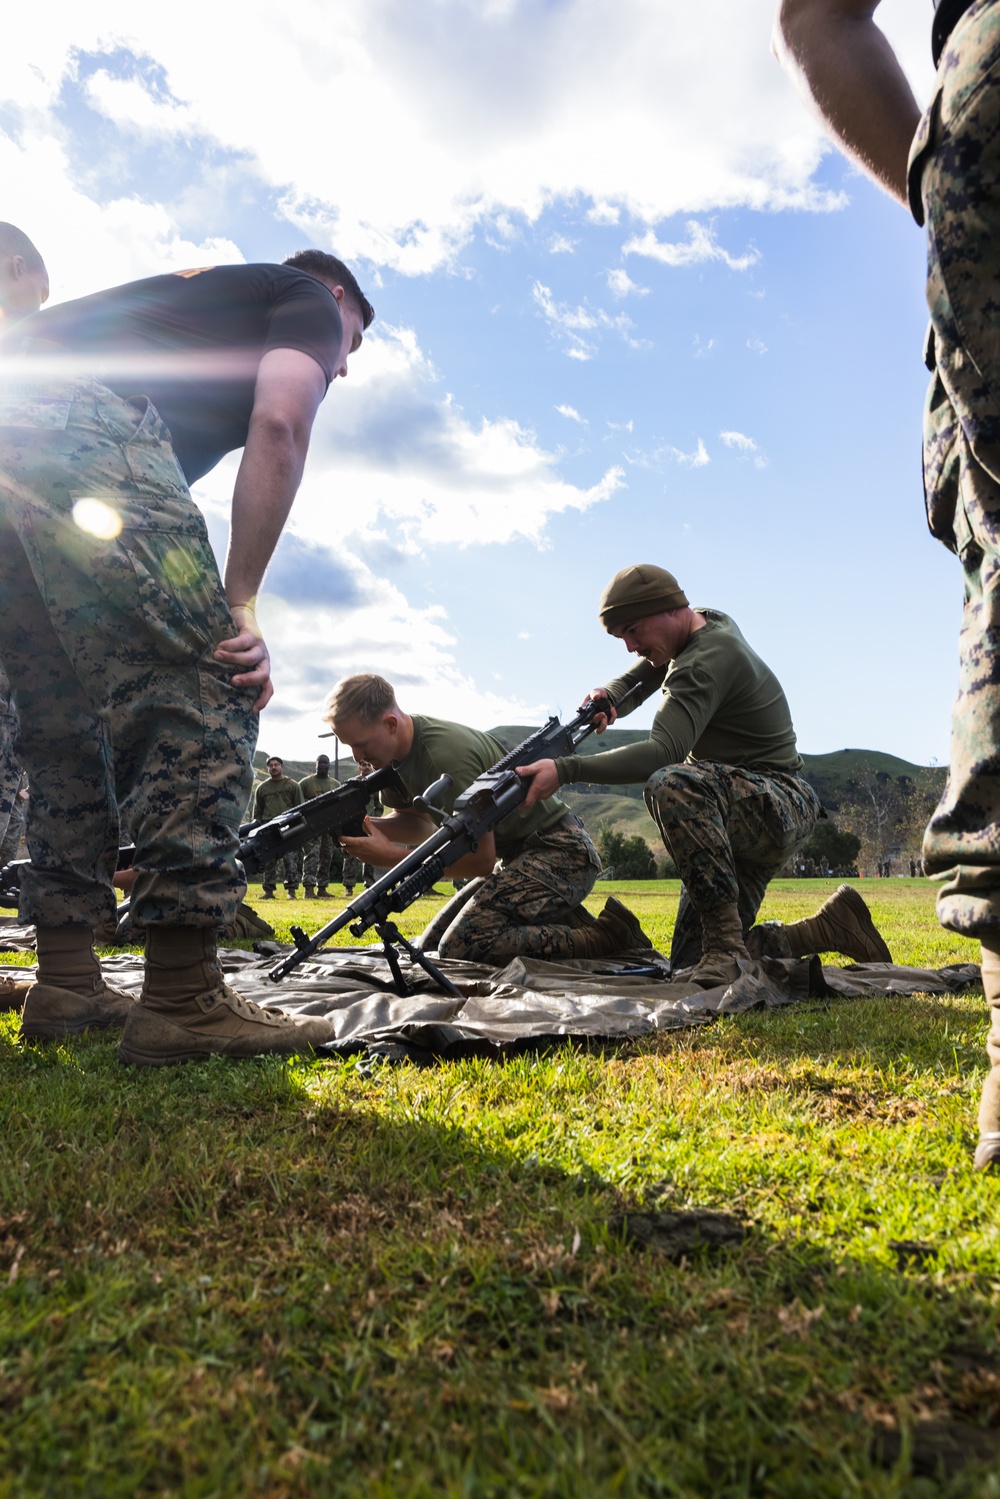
{"x":138,"y":657}
{"x":66,"y":890}
{"x":955,"y":177}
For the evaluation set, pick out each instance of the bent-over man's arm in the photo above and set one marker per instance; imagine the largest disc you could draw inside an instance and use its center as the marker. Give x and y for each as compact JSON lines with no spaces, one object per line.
{"x":290,"y":386}
{"x":842,"y":62}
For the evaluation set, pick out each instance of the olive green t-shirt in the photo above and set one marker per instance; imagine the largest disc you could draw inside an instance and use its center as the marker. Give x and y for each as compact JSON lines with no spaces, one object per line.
{"x":720,"y":702}
{"x":439,"y":748}
{"x":272,"y":797}
{"x":316,"y":785}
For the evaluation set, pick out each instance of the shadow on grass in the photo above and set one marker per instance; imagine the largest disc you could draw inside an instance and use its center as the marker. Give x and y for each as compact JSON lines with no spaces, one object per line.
{"x":256,"y":1277}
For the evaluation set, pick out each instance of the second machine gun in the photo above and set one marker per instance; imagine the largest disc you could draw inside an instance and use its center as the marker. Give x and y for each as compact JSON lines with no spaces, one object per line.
{"x":341,"y":810}
{"x":491,"y":797}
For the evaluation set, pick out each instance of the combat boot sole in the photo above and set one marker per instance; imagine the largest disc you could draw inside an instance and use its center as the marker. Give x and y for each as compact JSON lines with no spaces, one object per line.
{"x":50,"y":1013}
{"x":13,"y":991}
{"x":987,"y":1152}
{"x":219,"y":1023}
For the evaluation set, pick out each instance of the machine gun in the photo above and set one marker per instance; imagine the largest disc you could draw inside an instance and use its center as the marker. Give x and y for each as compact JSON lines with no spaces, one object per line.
{"x":341,"y":810}
{"x":490,"y":798}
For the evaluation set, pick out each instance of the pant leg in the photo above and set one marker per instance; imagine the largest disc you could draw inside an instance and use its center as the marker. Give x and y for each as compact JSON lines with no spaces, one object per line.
{"x":133,"y":617}
{"x":10,"y":769}
{"x":752,"y":883}
{"x":325,"y":860}
{"x":311,"y":861}
{"x":521,"y":909}
{"x":728,"y":831}
{"x":13,"y":833}
{"x":289,"y":864}
{"x":955,"y":175}
{"x":352,"y":872}
{"x":269,"y":876}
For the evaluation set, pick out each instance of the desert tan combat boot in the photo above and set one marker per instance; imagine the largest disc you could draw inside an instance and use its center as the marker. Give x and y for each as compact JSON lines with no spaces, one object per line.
{"x":616,"y":930}
{"x":13,"y":989}
{"x":721,"y":945}
{"x":843,"y":924}
{"x":988,"y":1150}
{"x":69,"y":994}
{"x":187,"y":1012}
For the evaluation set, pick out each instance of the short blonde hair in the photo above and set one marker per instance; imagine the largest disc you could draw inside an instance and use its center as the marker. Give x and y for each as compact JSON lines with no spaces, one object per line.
{"x":365,"y":696}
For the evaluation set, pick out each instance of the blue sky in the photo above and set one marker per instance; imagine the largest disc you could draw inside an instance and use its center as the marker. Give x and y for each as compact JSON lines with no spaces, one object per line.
{"x":629,"y":308}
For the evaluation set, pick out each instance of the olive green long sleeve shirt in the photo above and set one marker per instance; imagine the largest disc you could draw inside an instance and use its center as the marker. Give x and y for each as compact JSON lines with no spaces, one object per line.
{"x":720,"y":702}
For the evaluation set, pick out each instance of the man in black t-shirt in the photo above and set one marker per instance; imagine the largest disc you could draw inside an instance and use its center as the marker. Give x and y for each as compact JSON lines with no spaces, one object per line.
{"x":137,"y":674}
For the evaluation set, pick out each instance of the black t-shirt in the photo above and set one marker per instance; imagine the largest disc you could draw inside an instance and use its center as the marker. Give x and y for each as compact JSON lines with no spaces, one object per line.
{"x":192,"y":342}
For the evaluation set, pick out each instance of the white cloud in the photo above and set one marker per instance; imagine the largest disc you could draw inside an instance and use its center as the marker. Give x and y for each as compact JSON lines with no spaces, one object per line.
{"x":702,"y":349}
{"x":745,"y":446}
{"x":757,"y":346}
{"x":698,"y":459}
{"x":573,"y":323}
{"x":411,"y":461}
{"x":560,"y":245}
{"x":620,"y":284}
{"x":571,"y":414}
{"x":87,"y":244}
{"x":700,"y":246}
{"x":461,"y":111}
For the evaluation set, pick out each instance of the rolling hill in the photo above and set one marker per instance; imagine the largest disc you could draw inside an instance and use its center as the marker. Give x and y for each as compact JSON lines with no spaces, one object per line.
{"x":623,"y":806}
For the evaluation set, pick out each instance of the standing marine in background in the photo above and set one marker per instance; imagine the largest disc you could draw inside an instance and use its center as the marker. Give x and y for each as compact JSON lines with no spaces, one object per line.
{"x":279,"y":793}
{"x":945,"y":167}
{"x":318,"y":854}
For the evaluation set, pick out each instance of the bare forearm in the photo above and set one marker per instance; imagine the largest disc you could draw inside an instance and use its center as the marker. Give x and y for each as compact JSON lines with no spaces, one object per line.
{"x":842,"y":63}
{"x":266,"y":484}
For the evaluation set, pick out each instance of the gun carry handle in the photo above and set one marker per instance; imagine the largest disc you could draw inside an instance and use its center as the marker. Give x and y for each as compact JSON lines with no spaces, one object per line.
{"x":427,"y":802}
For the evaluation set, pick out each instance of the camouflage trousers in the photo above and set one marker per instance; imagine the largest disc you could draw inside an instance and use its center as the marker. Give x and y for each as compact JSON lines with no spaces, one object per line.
{"x":353,"y":870}
{"x":10,"y":770}
{"x":286,"y":869}
{"x":729,"y":831}
{"x":112,"y":607}
{"x":12,"y":834}
{"x":955,"y":187}
{"x":522,"y":909}
{"x":317,"y":857}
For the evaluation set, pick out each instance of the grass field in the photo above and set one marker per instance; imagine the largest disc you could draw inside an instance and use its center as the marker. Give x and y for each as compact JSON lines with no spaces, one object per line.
{"x":323,"y":1278}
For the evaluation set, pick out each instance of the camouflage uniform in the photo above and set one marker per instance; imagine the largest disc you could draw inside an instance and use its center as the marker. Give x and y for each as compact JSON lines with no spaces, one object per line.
{"x":728,"y":830}
{"x":317,"y":855}
{"x":522,"y":909}
{"x":955,"y":186}
{"x":271,"y":798}
{"x":353,"y":871}
{"x":10,"y":843}
{"x":108,"y":645}
{"x":10,"y":770}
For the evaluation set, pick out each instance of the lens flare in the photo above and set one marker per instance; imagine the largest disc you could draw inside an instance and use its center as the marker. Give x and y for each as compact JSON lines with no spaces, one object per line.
{"x":98,"y":519}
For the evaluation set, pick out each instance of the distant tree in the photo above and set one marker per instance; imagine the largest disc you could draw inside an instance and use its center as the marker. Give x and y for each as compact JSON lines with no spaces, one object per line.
{"x":876,"y":809}
{"x":830,"y":845}
{"x":632,"y":858}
